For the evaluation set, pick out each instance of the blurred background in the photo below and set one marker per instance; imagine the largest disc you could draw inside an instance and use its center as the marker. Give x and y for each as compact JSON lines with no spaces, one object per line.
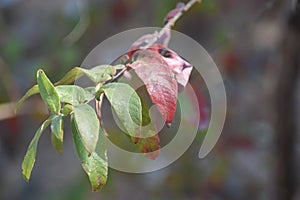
{"x":254,"y":43}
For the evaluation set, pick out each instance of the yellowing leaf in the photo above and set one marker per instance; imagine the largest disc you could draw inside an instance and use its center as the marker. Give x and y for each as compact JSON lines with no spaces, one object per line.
{"x":95,"y":165}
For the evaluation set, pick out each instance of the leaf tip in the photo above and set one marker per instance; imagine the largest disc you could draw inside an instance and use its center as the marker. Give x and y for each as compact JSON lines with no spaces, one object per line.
{"x":98,"y":184}
{"x":153,"y":155}
{"x":25,"y":174}
{"x":40,"y":71}
{"x":16,"y":109}
{"x":26,"y":178}
{"x":168,"y":124}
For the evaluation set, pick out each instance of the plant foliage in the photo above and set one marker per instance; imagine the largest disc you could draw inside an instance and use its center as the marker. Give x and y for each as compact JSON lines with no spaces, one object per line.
{"x":162,"y":72}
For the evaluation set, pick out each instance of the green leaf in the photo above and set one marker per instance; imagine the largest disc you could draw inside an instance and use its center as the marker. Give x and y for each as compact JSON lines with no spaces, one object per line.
{"x":71,"y":94}
{"x":95,"y":165}
{"x":48,"y":92}
{"x":97,"y":74}
{"x":29,"y":93}
{"x":89,"y":93}
{"x":100,"y":73}
{"x":127,"y":106}
{"x":57,"y":133}
{"x":87,"y":124}
{"x":67,"y":109}
{"x":29,"y":158}
{"x":71,"y":76}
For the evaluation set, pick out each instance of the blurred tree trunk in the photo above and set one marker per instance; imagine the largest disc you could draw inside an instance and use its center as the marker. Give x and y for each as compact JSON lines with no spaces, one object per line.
{"x":286,"y":126}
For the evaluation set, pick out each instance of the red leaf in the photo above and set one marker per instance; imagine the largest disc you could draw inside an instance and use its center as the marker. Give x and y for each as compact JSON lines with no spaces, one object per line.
{"x":180,"y":67}
{"x":149,"y":146}
{"x":159,"y":79}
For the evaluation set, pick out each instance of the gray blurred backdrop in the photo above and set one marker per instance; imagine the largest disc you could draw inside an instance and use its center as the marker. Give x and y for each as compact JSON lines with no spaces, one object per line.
{"x":254,"y":43}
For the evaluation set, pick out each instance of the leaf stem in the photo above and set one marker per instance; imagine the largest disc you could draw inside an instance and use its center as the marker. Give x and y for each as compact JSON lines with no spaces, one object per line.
{"x":172,"y":22}
{"x":118,"y":74}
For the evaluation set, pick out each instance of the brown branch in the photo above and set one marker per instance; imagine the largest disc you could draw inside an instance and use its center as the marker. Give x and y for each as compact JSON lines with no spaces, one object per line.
{"x":172,"y":22}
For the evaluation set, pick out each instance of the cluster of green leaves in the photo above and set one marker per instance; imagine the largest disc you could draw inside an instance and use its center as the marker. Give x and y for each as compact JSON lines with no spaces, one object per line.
{"x":66,"y":100}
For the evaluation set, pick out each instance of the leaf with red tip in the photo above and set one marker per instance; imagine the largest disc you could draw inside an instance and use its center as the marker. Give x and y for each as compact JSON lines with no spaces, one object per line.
{"x":159,"y":80}
{"x":149,"y":146}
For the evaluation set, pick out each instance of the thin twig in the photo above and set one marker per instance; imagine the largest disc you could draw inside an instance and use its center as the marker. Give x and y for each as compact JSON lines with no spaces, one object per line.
{"x":163,"y":31}
{"x":118,"y":74}
{"x":172,"y":22}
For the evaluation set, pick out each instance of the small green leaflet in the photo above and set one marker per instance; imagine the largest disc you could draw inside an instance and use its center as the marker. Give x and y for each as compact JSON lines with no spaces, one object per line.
{"x":57,"y":133}
{"x":29,"y":158}
{"x":87,"y":124}
{"x":48,"y":92}
{"x":127,"y":106}
{"x":95,"y":164}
